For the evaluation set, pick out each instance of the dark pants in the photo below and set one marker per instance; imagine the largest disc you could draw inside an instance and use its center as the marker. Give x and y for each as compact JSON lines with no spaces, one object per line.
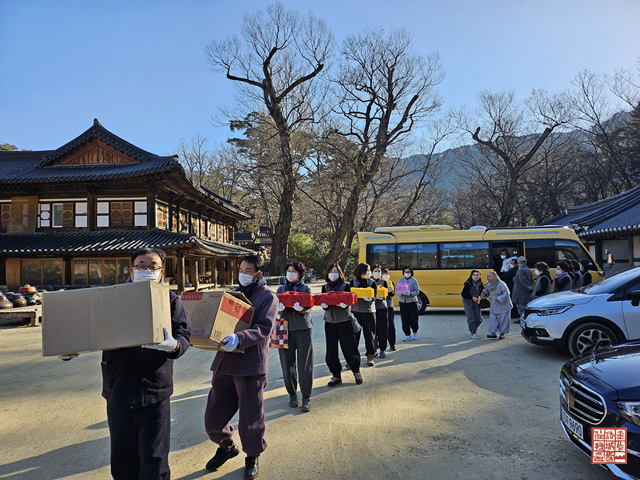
{"x":297,"y":362}
{"x":140,"y":440}
{"x":409,"y":316}
{"x":230,"y":394}
{"x":382,"y":328}
{"x":391,"y":333}
{"x":368,"y":322}
{"x":341,"y":333}
{"x":472,"y":311}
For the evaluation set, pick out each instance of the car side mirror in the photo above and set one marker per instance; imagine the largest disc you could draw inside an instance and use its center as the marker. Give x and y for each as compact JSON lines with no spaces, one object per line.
{"x":635,"y":298}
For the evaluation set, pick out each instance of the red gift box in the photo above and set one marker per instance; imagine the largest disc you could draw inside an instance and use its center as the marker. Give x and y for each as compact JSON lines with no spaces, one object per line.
{"x":289,"y":298}
{"x":335,"y":298}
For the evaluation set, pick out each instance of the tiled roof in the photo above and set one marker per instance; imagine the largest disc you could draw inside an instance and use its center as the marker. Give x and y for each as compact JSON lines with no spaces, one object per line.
{"x":110,"y":242}
{"x":613,"y":216}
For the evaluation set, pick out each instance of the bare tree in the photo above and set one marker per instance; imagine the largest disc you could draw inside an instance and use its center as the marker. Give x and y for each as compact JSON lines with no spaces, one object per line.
{"x":383,"y":90}
{"x":275,"y":65}
{"x":511,"y":140}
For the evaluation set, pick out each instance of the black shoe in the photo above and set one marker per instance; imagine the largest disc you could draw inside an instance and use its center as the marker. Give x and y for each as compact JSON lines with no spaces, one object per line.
{"x":221,"y":456}
{"x":392,"y":348}
{"x":293,"y":401}
{"x":492,"y":335}
{"x":251,"y":467}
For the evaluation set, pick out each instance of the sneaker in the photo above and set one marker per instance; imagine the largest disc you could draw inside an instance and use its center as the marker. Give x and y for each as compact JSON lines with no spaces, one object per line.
{"x":306,"y":405}
{"x":370,"y":360}
{"x":376,"y":354}
{"x":407,"y":338}
{"x":358,"y":377}
{"x":334,"y":381}
{"x":501,"y":336}
{"x":221,"y":456}
{"x":492,"y":335}
{"x":474,"y":335}
{"x":250,"y":467}
{"x":383,"y":355}
{"x":293,"y":401}
{"x":415,"y":335}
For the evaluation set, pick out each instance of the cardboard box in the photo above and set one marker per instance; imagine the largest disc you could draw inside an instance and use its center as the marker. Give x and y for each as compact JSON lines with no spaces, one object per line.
{"x":93,"y":319}
{"x":215,"y":315}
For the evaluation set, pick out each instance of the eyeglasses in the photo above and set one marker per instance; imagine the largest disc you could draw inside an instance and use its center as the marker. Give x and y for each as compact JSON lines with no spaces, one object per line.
{"x":146,"y":267}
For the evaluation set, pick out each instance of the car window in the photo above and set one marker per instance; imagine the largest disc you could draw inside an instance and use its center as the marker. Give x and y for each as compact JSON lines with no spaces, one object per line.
{"x":631,"y":288}
{"x":613,"y":283}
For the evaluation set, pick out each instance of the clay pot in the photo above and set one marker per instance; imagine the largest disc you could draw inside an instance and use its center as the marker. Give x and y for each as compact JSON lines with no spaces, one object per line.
{"x":18,"y":300}
{"x":26,"y":289}
{"x":4,"y":303}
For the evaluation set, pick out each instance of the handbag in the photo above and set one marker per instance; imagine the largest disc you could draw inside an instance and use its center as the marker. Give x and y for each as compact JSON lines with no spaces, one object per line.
{"x":279,"y":334}
{"x":354,"y":323}
{"x":484,"y":304}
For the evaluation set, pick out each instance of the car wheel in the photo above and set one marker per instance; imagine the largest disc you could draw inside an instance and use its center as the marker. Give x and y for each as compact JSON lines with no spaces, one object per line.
{"x":587,"y":336}
{"x":423,"y":303}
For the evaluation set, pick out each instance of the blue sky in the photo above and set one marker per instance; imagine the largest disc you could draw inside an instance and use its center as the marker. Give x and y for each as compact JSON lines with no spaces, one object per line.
{"x":139,"y":66}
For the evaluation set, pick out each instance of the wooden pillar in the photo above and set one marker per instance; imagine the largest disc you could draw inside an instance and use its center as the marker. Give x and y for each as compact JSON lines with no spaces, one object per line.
{"x":193,"y":273}
{"x":151,"y":211}
{"x":91,"y":212}
{"x":180,"y":280}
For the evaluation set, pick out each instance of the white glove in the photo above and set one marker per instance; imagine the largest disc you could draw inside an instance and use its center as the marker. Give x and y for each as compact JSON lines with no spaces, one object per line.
{"x":342,"y":305}
{"x":324,"y":305}
{"x":281,"y":307}
{"x":297,"y":307}
{"x":169,"y":344}
{"x":378,"y":298}
{"x":366,"y":299}
{"x":230,"y":342}
{"x":66,"y":358}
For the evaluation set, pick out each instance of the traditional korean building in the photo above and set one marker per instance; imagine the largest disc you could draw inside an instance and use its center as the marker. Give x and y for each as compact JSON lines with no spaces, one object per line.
{"x":74,"y":215}
{"x":611,"y":226}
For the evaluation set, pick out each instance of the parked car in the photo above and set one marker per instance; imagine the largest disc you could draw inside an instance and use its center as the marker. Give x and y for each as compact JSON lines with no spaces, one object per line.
{"x":597,"y":315}
{"x":601,"y":389}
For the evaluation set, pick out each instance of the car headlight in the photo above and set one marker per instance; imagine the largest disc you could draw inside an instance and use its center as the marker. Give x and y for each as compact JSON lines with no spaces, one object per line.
{"x":553,"y":310}
{"x":630,"y":411}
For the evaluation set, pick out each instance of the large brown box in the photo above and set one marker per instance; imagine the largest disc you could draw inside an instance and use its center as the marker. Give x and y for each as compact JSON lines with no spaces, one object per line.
{"x":90,"y":319}
{"x":214,"y":315}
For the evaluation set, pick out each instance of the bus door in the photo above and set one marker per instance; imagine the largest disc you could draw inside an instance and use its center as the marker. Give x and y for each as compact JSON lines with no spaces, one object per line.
{"x":514,"y":249}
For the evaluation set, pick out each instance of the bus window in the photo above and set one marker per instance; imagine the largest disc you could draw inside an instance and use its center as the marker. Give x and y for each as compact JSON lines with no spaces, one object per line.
{"x":419,"y":255}
{"x":464,"y":255}
{"x":382,"y":254}
{"x":571,"y":250}
{"x":540,"y":250}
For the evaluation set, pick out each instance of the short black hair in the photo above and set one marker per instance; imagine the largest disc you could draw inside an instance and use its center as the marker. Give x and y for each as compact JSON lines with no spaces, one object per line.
{"x":360,"y":270}
{"x":297,"y":266}
{"x":149,"y":251}
{"x":255,"y":260}
{"x":407,"y":267}
{"x":472,"y":272}
{"x":565,"y":266}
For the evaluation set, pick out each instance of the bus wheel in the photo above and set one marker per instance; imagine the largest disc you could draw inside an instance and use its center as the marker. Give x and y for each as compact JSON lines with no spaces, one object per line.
{"x":423,"y":303}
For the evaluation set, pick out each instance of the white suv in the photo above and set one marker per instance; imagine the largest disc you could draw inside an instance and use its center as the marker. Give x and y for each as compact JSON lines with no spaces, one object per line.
{"x":593,"y":316}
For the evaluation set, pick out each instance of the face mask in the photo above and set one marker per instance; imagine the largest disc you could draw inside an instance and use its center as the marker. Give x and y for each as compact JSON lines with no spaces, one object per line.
{"x":292,"y":277}
{"x":367,"y":275}
{"x":537,"y":272}
{"x":386,"y":277}
{"x":376,"y":275}
{"x":407,"y":275}
{"x":334,"y":276}
{"x":245,"y":279}
{"x":503,"y":257}
{"x":146,"y":275}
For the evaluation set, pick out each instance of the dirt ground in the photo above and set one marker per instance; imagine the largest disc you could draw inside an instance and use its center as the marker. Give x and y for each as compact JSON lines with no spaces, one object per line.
{"x":442,"y":407}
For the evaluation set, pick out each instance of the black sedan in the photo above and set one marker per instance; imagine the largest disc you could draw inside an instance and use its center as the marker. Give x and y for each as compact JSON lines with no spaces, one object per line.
{"x":602,"y":389}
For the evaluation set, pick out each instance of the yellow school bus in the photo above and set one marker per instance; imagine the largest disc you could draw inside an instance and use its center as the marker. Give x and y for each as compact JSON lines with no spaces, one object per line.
{"x":442,"y":258}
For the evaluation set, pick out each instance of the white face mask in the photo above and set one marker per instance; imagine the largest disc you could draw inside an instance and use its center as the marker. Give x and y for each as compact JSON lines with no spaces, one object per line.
{"x":146,"y":275}
{"x":503,"y":257}
{"x":537,"y":272}
{"x":367,"y":275}
{"x":376,"y":275}
{"x":407,"y":275}
{"x":292,"y":277}
{"x":334,"y":276}
{"x":386,"y":277}
{"x":245,"y":279}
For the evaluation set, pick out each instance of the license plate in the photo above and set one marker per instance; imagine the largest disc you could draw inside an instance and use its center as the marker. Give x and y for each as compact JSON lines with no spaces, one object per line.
{"x":572,"y":424}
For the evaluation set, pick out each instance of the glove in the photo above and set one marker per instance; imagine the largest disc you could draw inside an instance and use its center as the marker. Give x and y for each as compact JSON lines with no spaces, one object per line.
{"x":169,"y":344}
{"x":281,"y":307}
{"x":230,"y":342}
{"x":324,"y":305}
{"x":297,"y":307}
{"x":342,"y":305}
{"x":66,"y":358}
{"x":379,"y":298}
{"x":366,"y":299}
